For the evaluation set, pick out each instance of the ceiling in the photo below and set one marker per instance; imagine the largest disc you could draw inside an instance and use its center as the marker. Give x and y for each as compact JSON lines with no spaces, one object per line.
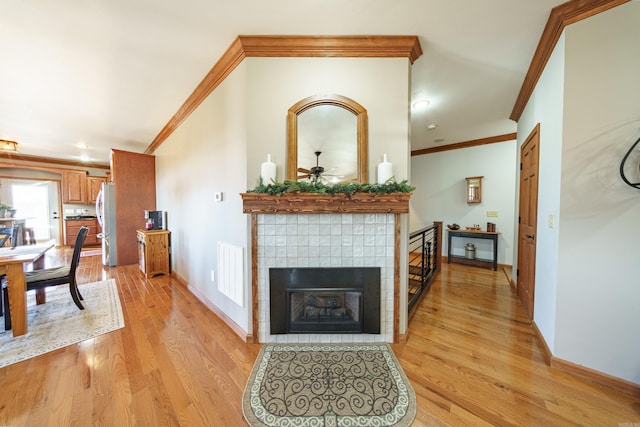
{"x":81,"y":77}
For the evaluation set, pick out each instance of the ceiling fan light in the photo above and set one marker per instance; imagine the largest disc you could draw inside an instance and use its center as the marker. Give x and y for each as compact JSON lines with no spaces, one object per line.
{"x":9,"y":146}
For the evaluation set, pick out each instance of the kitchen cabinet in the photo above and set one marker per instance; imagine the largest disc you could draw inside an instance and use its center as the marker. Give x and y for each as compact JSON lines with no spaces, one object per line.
{"x":78,"y":188}
{"x":154,"y":252}
{"x":74,"y":186}
{"x":94,"y":183}
{"x":72,"y":227}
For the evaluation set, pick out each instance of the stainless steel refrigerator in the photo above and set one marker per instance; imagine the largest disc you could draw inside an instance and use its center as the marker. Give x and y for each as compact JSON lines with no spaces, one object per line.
{"x":106,"y":213}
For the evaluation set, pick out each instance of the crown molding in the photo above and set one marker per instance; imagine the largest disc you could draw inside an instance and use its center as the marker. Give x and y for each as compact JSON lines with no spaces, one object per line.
{"x":333,"y":46}
{"x":49,"y":160}
{"x":288,"y":46}
{"x":466,"y":144}
{"x":560,"y":17}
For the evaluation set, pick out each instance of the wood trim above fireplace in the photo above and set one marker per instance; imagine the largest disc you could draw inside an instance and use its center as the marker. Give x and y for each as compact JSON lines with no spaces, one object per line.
{"x":301,"y":203}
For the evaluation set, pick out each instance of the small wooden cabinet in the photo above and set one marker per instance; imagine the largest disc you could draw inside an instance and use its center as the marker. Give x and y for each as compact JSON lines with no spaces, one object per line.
{"x":474,"y":189}
{"x":72,"y":227}
{"x":154,"y":252}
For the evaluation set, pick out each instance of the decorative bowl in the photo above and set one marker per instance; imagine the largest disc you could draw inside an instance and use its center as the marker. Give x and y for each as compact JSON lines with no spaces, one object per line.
{"x":453,"y":226}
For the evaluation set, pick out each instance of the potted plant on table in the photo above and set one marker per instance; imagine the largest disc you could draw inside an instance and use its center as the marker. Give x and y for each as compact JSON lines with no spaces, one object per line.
{"x":6,"y":211}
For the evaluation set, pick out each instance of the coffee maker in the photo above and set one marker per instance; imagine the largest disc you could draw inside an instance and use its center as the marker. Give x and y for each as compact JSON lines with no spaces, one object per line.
{"x":154,"y":220}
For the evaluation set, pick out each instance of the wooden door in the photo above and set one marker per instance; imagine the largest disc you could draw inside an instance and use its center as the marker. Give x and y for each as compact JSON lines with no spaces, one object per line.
{"x":526,"y":272}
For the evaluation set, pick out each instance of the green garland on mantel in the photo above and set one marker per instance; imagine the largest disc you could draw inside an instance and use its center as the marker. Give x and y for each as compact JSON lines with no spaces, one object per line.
{"x":350,"y":188}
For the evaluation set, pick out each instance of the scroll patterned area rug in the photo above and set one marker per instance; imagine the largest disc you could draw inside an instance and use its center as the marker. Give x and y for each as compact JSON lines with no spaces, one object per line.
{"x":59,"y":322}
{"x":328,"y":385}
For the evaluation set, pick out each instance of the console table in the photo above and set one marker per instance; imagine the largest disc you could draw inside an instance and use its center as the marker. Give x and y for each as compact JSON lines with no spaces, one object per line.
{"x":474,"y":234}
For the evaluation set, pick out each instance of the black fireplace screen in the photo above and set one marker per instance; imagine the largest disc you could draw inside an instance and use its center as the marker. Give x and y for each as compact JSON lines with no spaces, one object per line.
{"x":325,"y":300}
{"x":313,"y":310}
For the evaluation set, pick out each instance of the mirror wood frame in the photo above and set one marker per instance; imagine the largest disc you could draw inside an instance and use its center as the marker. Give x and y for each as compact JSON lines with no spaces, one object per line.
{"x":336,"y":100}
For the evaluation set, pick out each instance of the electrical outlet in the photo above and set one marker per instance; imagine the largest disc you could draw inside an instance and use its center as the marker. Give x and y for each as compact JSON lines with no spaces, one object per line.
{"x":492,"y":213}
{"x":213,"y":276}
{"x":550,"y":221}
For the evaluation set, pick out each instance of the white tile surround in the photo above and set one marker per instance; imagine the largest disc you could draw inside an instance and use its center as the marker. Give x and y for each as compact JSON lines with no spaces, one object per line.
{"x":326,"y":240}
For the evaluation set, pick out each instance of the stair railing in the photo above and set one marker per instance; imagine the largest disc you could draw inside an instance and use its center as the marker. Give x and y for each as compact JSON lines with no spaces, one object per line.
{"x":424,"y":260}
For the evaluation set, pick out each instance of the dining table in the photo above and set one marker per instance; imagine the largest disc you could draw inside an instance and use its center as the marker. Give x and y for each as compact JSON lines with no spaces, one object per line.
{"x":12,"y":264}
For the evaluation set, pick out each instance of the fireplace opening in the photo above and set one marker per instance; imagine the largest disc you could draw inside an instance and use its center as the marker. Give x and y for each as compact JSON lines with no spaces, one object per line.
{"x":325,"y":300}
{"x":313,"y":310}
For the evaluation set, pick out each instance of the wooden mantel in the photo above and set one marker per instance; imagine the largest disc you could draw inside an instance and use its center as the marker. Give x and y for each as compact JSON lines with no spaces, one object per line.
{"x":302,"y":203}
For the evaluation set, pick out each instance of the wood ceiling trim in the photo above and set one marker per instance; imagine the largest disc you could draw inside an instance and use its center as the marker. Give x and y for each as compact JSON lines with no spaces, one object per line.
{"x":26,"y":158}
{"x":288,"y":46}
{"x":333,"y":46}
{"x":466,"y":144}
{"x":560,"y":17}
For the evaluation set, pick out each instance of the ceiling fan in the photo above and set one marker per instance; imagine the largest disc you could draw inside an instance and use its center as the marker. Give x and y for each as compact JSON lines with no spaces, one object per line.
{"x":316,"y":173}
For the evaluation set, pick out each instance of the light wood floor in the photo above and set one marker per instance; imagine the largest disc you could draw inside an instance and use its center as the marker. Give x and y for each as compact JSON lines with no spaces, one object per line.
{"x":471,"y":357}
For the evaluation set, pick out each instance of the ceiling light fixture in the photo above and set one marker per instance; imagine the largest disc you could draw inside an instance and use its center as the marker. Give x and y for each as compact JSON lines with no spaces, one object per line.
{"x":6,"y":145}
{"x":423,"y":103}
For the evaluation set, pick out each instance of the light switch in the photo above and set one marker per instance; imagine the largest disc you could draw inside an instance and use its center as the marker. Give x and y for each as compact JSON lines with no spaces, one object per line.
{"x":492,"y":213}
{"x":217,"y":196}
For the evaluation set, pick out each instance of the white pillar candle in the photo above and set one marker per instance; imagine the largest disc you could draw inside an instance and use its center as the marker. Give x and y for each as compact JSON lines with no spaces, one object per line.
{"x":268,"y":171}
{"x":385,"y":171}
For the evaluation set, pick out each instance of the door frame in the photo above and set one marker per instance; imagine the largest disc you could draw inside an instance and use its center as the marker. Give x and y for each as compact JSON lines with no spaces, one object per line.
{"x":58,"y":184}
{"x":532,"y":201}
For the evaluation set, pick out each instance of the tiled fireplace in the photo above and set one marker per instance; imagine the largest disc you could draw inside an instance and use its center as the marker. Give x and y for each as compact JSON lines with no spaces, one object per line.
{"x":297,"y":232}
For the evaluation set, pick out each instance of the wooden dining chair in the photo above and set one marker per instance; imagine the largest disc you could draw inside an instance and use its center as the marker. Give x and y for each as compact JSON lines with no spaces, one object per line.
{"x":40,"y":279}
{"x":6,"y":234}
{"x":14,"y":236}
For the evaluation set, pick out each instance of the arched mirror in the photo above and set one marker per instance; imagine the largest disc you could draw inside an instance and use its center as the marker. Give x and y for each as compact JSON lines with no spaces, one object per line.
{"x":327,"y":140}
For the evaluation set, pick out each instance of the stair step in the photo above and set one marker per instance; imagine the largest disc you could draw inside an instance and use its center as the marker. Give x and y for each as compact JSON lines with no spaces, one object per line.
{"x":415,"y":269}
{"x":415,"y":283}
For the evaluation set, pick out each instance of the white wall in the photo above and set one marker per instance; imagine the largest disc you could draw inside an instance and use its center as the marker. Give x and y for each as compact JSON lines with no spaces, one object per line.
{"x":440,"y":194}
{"x":221,"y":146}
{"x":596,"y":239}
{"x":207,"y":154}
{"x":381,"y":85}
{"x":598,"y":281}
